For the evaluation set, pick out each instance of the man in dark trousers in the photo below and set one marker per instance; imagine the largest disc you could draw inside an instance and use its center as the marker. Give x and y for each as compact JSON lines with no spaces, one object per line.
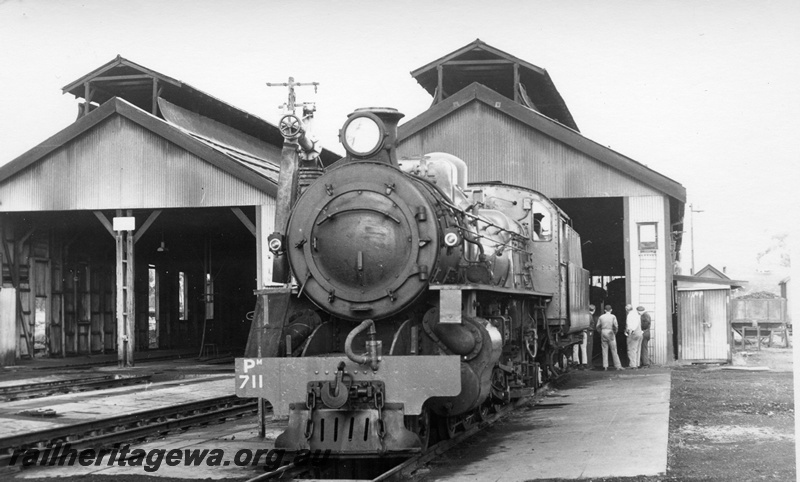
{"x":646,"y":321}
{"x":607,"y":327}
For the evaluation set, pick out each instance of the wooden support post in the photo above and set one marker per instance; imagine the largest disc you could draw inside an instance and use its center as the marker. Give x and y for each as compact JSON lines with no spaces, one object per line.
{"x":758,"y":336}
{"x":120,"y":300}
{"x":104,"y":221}
{"x":516,"y":82}
{"x":439,"y":83}
{"x":155,"y":97}
{"x":786,"y":334}
{"x":146,"y":225}
{"x":63,"y":305}
{"x":126,"y":307}
{"x":245,"y":220}
{"x":87,"y":97}
{"x":12,"y":268}
{"x":75,"y":310}
{"x":130,"y":307}
{"x":262,"y":418}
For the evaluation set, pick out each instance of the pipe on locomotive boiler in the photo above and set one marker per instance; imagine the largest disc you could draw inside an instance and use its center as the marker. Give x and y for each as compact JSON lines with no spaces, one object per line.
{"x":284,"y":200}
{"x":287,"y":196}
{"x":373,"y":355}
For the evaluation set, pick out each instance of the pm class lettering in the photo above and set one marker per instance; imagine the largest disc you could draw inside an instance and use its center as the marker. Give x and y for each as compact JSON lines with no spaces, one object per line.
{"x":151,"y":460}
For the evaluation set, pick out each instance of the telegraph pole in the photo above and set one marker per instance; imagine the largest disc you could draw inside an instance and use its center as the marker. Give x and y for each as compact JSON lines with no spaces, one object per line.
{"x":692,"y":210}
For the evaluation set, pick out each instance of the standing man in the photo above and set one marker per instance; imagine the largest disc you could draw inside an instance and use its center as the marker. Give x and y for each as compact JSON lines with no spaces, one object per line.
{"x":590,"y":337}
{"x":645,"y":335}
{"x":584,"y":347}
{"x":607,"y":327}
{"x":633,"y":330}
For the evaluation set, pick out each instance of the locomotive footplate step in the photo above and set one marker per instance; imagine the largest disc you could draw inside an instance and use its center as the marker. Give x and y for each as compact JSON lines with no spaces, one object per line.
{"x":598,"y":424}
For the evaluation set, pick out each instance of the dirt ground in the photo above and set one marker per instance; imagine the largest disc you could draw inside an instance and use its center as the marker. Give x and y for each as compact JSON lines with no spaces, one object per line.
{"x":731,"y":423}
{"x":734,"y":424}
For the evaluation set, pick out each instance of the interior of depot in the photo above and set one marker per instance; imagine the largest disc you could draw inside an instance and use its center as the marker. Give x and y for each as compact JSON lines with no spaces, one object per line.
{"x":195,"y":274}
{"x":193,"y":279}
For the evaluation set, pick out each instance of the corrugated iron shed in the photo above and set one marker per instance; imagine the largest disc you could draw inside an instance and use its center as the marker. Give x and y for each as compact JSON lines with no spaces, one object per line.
{"x":137,"y":160}
{"x":435,"y":119}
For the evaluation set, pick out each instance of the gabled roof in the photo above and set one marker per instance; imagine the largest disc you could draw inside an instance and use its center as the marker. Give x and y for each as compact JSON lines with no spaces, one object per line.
{"x":482,"y":63}
{"x":698,"y":281}
{"x":709,"y":271}
{"x":479,"y":93}
{"x":259,"y":173}
{"x":139,"y":86}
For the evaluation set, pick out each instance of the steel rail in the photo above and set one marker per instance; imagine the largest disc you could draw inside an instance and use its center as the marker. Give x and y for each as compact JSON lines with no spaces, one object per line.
{"x":32,"y":390}
{"x":129,"y":426}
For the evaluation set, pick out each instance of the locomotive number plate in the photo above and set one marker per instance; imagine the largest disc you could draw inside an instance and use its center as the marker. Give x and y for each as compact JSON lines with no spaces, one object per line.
{"x":409,"y":380}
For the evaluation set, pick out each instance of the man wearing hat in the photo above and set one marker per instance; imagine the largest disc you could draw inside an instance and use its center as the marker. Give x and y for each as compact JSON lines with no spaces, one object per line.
{"x":633,"y":330}
{"x":645,"y":360}
{"x":607,"y":326}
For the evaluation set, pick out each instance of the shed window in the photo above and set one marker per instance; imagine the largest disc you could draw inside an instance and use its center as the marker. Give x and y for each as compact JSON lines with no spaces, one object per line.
{"x":648,"y":236}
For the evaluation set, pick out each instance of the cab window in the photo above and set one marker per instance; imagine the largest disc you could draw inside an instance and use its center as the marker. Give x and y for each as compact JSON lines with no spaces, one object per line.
{"x":542,"y":222}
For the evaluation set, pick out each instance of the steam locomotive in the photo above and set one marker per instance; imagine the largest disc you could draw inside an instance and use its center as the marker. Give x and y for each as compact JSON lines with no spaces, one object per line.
{"x":418,"y":303}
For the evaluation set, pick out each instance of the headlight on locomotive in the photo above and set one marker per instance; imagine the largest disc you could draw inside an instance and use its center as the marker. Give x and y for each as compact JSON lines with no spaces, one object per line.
{"x":362,"y":135}
{"x":370,"y":247}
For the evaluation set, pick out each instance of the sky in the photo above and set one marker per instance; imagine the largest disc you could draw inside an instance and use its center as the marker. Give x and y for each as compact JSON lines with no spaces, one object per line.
{"x":704,"y":92}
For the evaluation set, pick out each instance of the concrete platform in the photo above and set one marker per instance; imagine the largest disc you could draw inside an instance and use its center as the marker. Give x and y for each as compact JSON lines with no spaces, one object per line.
{"x":597,"y":424}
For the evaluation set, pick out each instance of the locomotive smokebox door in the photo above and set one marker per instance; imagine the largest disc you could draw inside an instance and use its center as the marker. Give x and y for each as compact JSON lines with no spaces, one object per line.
{"x":365,"y":252}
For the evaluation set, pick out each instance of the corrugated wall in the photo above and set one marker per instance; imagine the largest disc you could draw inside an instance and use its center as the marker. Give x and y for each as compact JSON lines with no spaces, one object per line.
{"x":716,"y":311}
{"x":648,"y":272}
{"x":703,"y":325}
{"x":497,"y":147}
{"x":119,"y":165}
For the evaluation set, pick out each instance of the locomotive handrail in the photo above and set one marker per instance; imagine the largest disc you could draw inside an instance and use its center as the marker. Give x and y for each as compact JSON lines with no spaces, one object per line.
{"x":483,"y":220}
{"x":504,"y":245}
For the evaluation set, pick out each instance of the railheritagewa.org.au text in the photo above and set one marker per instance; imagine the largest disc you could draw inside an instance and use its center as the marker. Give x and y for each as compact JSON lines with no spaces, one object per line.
{"x":154,"y":459}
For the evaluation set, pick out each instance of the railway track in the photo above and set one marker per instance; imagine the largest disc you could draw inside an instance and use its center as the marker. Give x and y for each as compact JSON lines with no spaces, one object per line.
{"x":404,"y":471}
{"x":128,"y":427}
{"x":43,"y":389}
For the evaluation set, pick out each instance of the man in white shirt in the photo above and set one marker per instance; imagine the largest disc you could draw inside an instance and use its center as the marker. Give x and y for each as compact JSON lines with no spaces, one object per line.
{"x":633,"y":330}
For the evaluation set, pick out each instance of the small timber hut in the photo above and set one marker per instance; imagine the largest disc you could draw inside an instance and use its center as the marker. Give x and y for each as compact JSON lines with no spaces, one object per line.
{"x":704,"y":316}
{"x":140,"y":225}
{"x":505,"y":118}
